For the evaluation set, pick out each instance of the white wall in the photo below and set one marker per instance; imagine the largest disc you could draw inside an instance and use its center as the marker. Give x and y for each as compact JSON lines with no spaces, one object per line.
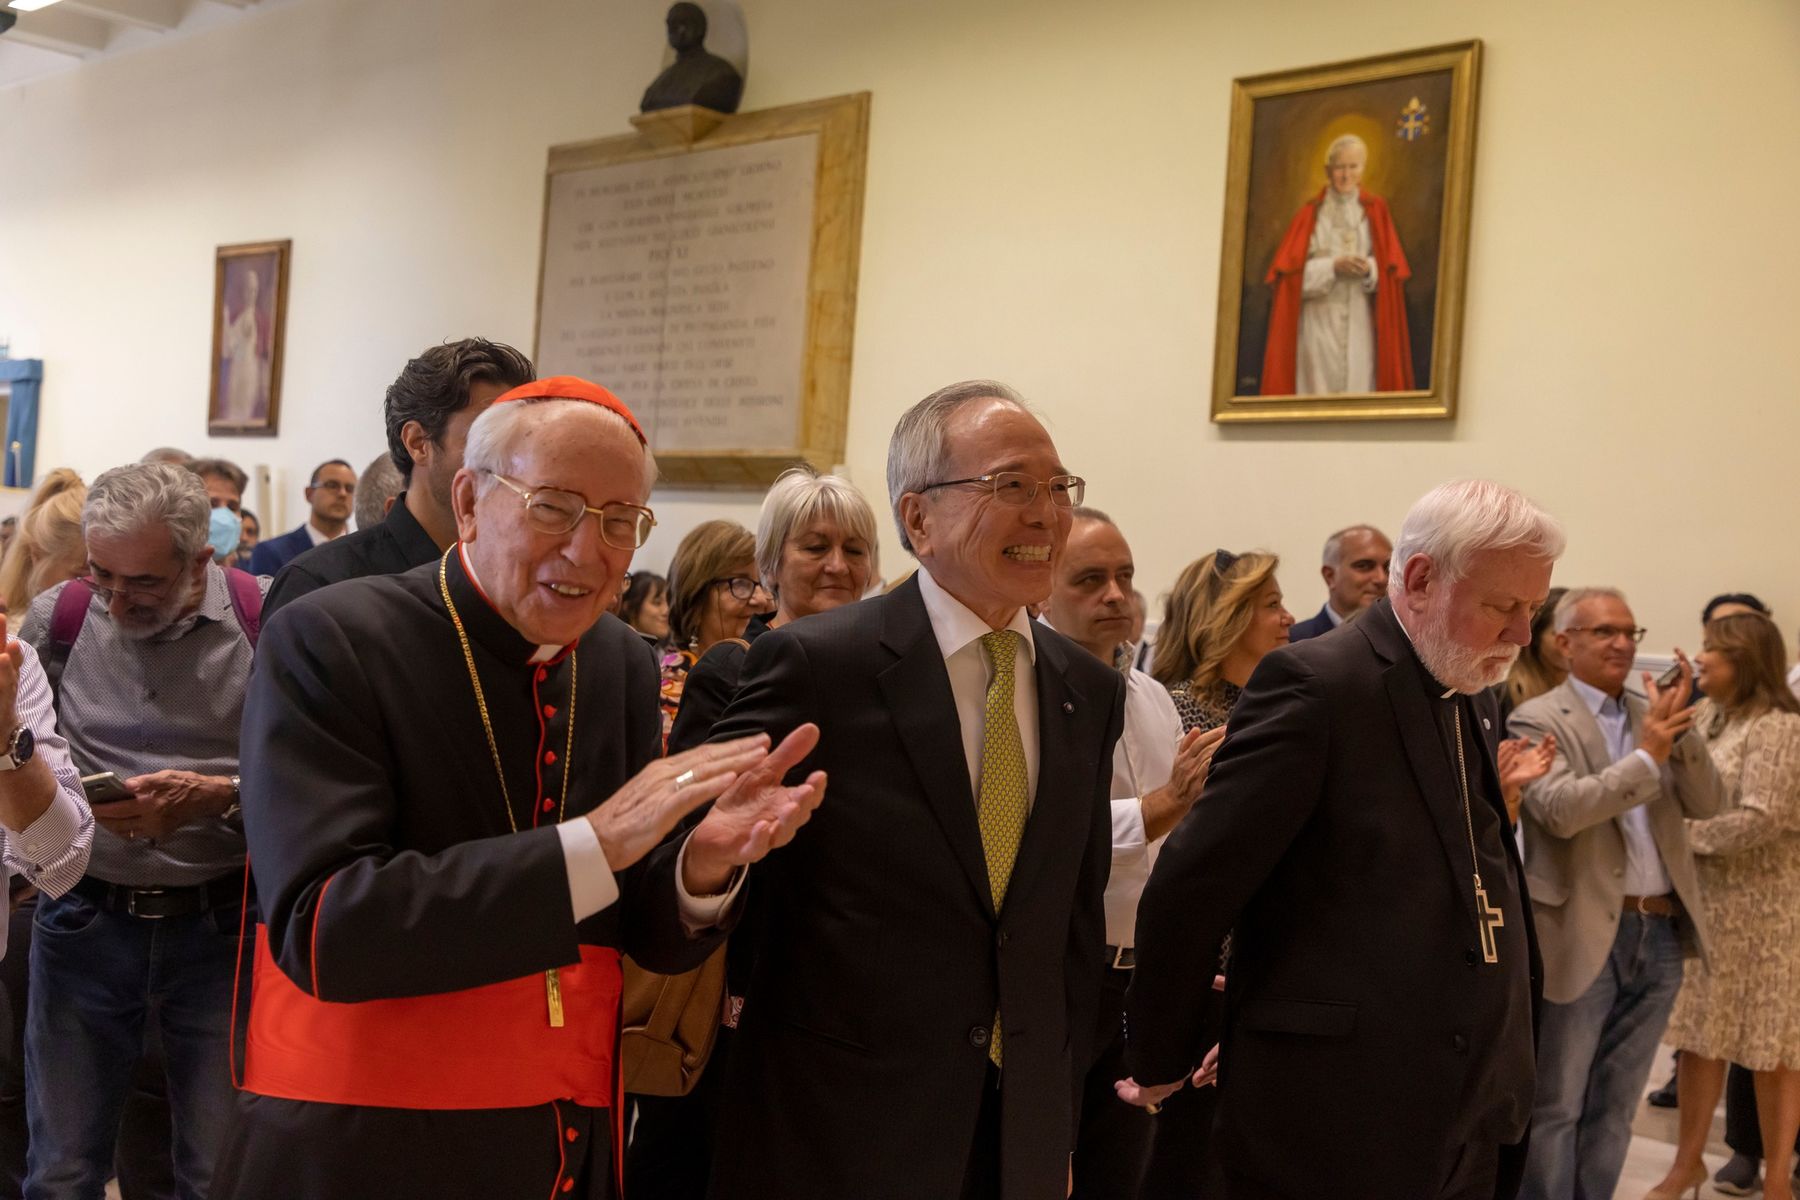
{"x":1044,"y":205}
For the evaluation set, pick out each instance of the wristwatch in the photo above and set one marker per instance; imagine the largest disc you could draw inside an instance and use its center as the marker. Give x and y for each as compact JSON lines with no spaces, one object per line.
{"x":236,"y":800}
{"x":19,"y":749}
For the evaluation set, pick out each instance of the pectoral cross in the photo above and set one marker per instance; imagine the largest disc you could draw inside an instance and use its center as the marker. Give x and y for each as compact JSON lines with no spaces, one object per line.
{"x":553,"y":994}
{"x":1490,"y":919}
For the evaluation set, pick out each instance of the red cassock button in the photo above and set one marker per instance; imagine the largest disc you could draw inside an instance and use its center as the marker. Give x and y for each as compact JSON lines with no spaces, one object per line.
{"x":542,"y":674}
{"x":549,"y":711}
{"x":549,"y":804}
{"x":568,"y":1185}
{"x":549,"y":756}
{"x":572,"y":1135}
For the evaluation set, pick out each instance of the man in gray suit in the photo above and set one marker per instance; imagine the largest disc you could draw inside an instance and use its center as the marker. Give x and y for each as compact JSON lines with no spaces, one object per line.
{"x":1613,"y":889}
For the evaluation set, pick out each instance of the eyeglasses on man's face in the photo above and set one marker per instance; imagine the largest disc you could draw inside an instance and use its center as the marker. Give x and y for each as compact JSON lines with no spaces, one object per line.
{"x":1019,"y":489}
{"x":1607,"y":633}
{"x":741,"y":587}
{"x":334,"y":485}
{"x":142,"y":590}
{"x":551,"y":510}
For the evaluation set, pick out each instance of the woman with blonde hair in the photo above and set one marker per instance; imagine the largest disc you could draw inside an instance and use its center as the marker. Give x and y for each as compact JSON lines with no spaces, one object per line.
{"x":1743,"y":1005}
{"x":1224,"y":613}
{"x":49,"y":547}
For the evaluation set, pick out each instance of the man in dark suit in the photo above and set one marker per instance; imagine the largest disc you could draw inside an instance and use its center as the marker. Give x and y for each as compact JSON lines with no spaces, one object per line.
{"x":926,"y":976}
{"x":329,"y":496}
{"x":1384,"y":972}
{"x":1355,"y":569}
{"x":428,"y":411}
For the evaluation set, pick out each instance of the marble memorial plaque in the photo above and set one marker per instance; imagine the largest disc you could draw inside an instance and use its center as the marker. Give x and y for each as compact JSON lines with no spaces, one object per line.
{"x":680,"y":282}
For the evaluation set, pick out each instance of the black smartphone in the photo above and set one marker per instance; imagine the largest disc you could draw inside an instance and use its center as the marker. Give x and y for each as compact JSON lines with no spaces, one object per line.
{"x":104,"y":788}
{"x":1670,"y":677}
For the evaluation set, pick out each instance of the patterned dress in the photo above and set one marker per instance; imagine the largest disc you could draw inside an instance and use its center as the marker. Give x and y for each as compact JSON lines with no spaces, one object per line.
{"x":1744,"y":1005}
{"x":1205,"y":708}
{"x":675,"y":665}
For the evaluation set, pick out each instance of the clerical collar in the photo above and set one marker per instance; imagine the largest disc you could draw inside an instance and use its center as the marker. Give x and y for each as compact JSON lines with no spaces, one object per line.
{"x":543,"y":653}
{"x":1435,"y":681}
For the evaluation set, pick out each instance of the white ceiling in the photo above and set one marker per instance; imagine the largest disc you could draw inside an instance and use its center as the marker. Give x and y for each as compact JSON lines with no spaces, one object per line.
{"x":72,"y":32}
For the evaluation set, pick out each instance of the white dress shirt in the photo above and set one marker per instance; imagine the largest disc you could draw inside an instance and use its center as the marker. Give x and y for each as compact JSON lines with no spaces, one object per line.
{"x":959,"y":633}
{"x":1143,"y":760}
{"x":319,"y":537}
{"x":1645,"y":874}
{"x":51,"y":852}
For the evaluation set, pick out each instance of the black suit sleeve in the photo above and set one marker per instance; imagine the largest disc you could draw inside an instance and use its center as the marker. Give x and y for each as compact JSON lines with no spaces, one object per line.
{"x":291,"y":582}
{"x":775,"y":695}
{"x":350,"y":917}
{"x":1263,"y":787}
{"x":1087,"y":920}
{"x":705,"y":695}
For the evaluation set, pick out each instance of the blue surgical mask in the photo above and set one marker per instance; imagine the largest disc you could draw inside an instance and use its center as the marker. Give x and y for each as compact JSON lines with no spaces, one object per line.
{"x":226,"y":532}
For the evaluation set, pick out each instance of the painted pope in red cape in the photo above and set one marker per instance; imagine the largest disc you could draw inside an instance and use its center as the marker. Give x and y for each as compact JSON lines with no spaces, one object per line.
{"x":1338,"y":321}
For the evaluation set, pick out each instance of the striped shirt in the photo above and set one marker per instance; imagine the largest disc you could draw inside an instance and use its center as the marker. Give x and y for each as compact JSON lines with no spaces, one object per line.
{"x":51,"y":853}
{"x":169,"y":702}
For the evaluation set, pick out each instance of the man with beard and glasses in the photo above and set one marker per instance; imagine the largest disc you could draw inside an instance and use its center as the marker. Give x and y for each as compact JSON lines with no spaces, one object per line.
{"x":428,"y":411}
{"x":150,"y":657}
{"x":1354,"y":842}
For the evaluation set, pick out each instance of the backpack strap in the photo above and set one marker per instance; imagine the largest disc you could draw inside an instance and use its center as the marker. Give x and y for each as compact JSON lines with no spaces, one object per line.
{"x":66,"y":620}
{"x":246,"y":601}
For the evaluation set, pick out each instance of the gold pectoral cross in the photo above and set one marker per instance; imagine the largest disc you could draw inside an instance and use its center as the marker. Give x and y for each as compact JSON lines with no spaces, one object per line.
{"x":553,"y":994}
{"x":1490,"y":919}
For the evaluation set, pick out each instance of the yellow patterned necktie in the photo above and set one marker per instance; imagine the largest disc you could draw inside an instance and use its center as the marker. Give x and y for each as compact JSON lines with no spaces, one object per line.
{"x":1001,"y":807}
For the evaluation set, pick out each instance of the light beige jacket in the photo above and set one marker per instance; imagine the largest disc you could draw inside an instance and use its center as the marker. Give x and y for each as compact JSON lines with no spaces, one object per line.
{"x":1574,"y":847}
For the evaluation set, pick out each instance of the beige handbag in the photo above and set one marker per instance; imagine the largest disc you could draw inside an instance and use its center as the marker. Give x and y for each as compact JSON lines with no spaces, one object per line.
{"x":670,"y":1024}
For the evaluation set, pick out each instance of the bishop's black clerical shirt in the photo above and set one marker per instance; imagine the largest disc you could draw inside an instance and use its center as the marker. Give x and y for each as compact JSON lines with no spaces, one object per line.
{"x":1502,"y":1075}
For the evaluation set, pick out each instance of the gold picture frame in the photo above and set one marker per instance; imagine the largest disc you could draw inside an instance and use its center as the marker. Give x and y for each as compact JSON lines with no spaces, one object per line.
{"x":249,"y":334}
{"x":1291,"y":344}
{"x":832,"y":246}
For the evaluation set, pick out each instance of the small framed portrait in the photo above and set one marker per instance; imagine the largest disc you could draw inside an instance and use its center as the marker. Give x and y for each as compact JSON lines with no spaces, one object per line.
{"x":1346,"y":239}
{"x":249,"y":326}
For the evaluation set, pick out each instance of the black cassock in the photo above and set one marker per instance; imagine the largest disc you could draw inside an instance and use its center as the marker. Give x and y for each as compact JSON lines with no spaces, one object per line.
{"x":386,"y":868}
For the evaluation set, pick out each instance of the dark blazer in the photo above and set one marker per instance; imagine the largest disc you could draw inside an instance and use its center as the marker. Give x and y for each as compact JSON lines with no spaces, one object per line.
{"x":388,"y":547}
{"x":1312,"y":627}
{"x":859,"y":1064}
{"x":272,"y":554}
{"x":1328,"y":843}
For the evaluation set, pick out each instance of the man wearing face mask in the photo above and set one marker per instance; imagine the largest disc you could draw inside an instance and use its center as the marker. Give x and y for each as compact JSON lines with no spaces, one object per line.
{"x":149,"y":657}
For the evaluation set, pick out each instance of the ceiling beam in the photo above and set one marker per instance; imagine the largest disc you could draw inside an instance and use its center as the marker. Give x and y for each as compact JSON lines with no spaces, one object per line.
{"x":157,"y":16}
{"x":62,"y":31}
{"x":236,"y":3}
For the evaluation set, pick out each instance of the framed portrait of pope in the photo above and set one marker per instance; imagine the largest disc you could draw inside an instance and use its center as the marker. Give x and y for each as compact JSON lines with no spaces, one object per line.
{"x":1346,"y":239}
{"x":249,"y":329}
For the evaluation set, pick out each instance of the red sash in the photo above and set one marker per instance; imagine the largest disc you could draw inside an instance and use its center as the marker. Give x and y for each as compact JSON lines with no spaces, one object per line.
{"x":485,"y":1047}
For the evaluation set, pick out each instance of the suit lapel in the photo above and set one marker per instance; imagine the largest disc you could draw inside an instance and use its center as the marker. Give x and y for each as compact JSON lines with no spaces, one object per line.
{"x":919,"y":700}
{"x":1049,"y":823}
{"x":1438,"y":789}
{"x":1587,"y":728}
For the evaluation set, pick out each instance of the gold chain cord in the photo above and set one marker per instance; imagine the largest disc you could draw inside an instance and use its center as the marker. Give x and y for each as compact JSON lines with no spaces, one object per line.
{"x":1462,"y":768}
{"x":487,"y":725}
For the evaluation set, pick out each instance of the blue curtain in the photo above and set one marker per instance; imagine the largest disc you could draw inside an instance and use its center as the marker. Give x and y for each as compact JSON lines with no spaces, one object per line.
{"x":26,"y":376}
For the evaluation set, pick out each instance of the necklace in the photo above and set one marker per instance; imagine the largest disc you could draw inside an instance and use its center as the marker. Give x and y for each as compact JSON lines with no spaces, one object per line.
{"x":552,"y":980}
{"x":1486,"y":916}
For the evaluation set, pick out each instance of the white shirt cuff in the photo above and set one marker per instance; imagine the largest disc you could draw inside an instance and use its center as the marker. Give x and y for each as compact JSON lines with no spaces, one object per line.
{"x":1648,"y":761}
{"x":591,"y":883}
{"x":700,"y":913}
{"x":50,"y":836}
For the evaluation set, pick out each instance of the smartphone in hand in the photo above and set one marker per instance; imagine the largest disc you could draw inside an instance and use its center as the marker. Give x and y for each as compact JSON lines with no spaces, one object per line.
{"x":104,"y":788}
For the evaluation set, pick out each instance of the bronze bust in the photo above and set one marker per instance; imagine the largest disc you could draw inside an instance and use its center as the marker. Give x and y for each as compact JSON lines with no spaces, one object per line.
{"x":696,"y":76}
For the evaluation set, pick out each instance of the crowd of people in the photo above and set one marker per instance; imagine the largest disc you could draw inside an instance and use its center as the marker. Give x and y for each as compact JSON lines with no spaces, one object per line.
{"x":321,"y":887}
